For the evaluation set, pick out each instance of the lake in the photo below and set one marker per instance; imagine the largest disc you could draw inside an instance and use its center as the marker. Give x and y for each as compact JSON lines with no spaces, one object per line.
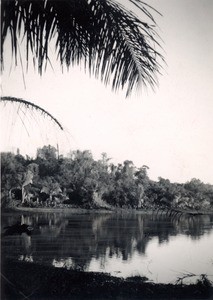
{"x":158,"y":246}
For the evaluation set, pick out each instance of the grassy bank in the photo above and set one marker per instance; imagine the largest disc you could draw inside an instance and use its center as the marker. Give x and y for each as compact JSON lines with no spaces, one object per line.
{"x":32,"y":281}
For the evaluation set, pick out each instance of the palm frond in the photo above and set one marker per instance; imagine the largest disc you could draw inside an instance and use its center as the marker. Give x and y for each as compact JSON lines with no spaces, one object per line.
{"x":112,"y":42}
{"x":32,"y":106}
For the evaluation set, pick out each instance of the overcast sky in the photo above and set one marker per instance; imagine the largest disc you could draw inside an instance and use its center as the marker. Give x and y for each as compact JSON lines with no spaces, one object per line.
{"x":170,"y":130}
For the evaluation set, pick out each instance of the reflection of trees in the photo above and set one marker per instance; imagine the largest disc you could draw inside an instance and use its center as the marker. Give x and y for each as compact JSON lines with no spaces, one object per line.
{"x":194,"y":226}
{"x":119,"y":234}
{"x":163,"y":226}
{"x":77,"y":239}
{"x":160,"y":226}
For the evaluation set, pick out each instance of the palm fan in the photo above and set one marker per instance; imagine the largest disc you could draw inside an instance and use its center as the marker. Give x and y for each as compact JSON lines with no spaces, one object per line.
{"x":27,"y":126}
{"x":32,"y":106}
{"x":102,"y":35}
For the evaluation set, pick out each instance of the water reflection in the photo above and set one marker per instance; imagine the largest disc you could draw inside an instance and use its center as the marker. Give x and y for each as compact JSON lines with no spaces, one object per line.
{"x":124,"y":244}
{"x":24,"y":232}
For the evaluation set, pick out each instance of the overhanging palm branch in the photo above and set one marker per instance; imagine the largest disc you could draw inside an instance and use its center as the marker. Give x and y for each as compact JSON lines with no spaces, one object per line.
{"x":31,"y":106}
{"x":110,"y":41}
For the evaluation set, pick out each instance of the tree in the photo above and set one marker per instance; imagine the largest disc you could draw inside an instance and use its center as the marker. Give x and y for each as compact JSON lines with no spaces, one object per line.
{"x":109,"y":40}
{"x":77,"y":174}
{"x":50,"y":186}
{"x":47,"y":160}
{"x":31,"y":172}
{"x":200,"y":193}
{"x":123,"y":189}
{"x":47,"y":152}
{"x":12,"y":171}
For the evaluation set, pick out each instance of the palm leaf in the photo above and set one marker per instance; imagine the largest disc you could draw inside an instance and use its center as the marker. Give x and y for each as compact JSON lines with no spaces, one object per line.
{"x":111,"y":42}
{"x":31,"y":106}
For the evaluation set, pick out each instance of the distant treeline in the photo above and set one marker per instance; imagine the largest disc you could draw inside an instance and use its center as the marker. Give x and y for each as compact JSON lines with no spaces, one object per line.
{"x":78,"y":180}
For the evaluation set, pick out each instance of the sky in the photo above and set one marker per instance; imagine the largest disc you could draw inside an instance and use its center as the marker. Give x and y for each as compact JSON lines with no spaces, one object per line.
{"x":169,"y":129}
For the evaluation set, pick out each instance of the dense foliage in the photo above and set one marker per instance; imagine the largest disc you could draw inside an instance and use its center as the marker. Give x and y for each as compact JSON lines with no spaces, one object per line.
{"x":79,"y":180}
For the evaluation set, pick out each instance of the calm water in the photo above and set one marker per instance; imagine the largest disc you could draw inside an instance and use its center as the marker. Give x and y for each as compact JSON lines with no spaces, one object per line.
{"x":159,"y":247}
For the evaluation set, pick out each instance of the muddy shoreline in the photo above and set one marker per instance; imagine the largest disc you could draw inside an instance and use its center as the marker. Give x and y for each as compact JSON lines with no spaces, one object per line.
{"x":34,"y":281}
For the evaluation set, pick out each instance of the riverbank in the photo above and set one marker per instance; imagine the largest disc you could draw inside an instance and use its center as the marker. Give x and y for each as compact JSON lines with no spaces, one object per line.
{"x":69,"y":210}
{"x":28,"y":280}
{"x":79,"y":210}
{"x":74,"y":210}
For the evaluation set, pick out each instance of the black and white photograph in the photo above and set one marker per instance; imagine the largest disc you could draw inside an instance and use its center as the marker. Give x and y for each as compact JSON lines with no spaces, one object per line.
{"x":106,"y":144}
